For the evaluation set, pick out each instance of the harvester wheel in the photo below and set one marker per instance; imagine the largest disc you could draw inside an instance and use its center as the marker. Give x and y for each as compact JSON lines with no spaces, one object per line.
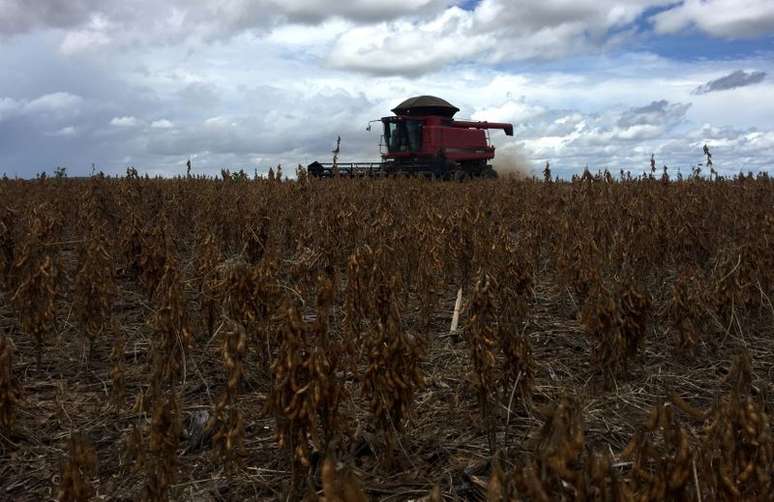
{"x":489,"y":173}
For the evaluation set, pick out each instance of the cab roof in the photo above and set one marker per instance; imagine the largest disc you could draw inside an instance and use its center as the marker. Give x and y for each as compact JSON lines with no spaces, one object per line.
{"x":426,"y":105}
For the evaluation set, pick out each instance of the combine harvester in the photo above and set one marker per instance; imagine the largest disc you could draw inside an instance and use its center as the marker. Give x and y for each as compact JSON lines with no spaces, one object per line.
{"x":423,"y":139}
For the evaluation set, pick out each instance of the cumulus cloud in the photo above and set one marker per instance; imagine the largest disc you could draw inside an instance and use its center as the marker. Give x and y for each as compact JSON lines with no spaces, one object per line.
{"x":54,"y":102}
{"x":292,"y":122}
{"x":614,"y":138}
{"x":18,"y":16}
{"x":93,"y":21}
{"x":162,"y":124}
{"x":495,"y":31}
{"x":64,"y":132}
{"x":126,"y":121}
{"x":93,"y":36}
{"x":722,"y":18}
{"x":52,"y":106}
{"x":395,"y":37}
{"x":513,"y":110}
{"x":658,"y":113}
{"x":733,"y":80}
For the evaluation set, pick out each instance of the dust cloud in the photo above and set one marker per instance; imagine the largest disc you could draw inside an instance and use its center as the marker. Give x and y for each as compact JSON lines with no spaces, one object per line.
{"x":511,"y":162}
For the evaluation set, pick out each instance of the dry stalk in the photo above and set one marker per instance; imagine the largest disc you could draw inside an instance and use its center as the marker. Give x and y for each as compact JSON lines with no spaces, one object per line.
{"x":160,"y":454}
{"x":685,"y":311}
{"x":10,"y":390}
{"x":36,"y":290}
{"x":292,"y":397}
{"x":173,"y":333}
{"x":117,"y":368}
{"x":208,"y":259}
{"x":7,"y":245}
{"x":481,"y":333}
{"x":81,"y":465}
{"x":394,"y":374}
{"x":662,"y":458}
{"x":739,"y":446}
{"x":227,"y":421}
{"x":618,"y":323}
{"x":94,"y":286}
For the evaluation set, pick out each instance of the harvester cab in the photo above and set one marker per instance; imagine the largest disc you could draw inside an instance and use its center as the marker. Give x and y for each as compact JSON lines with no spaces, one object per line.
{"x":423,"y":139}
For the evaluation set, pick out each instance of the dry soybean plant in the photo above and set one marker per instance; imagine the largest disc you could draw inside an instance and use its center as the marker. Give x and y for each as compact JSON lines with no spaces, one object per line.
{"x":330,"y":299}
{"x":173,"y":332}
{"x":617,"y":320}
{"x":35,"y":294}
{"x":739,"y":445}
{"x":81,"y":465}
{"x":94,"y":287}
{"x":307,"y":391}
{"x":208,"y":259}
{"x":159,"y":456}
{"x":7,"y":244}
{"x":481,"y":332}
{"x":10,"y":390}
{"x":393,"y":375}
{"x":327,"y":388}
{"x":227,"y":421}
{"x":556,"y":470}
{"x":118,"y":366}
{"x":292,"y":399}
{"x":686,"y":311}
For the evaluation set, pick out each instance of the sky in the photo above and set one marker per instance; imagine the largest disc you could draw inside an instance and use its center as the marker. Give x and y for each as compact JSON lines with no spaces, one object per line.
{"x":250,"y":84}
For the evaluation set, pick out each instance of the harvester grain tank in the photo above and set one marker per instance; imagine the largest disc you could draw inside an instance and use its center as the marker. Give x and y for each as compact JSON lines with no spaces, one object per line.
{"x":423,"y":139}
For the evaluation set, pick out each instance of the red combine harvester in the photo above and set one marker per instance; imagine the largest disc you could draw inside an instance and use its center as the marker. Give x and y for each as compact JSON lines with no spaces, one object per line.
{"x":423,"y":139}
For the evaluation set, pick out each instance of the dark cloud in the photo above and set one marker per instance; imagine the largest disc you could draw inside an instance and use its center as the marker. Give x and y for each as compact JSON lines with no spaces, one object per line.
{"x":176,"y":19}
{"x":733,"y":80}
{"x":657,"y":113}
{"x":19,"y":16}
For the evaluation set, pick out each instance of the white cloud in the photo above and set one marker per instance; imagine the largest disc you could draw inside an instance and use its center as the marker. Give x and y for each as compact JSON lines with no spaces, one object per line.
{"x":102,"y":21}
{"x":64,"y":131}
{"x":219,"y":122}
{"x":308,"y":36}
{"x":385,"y":37}
{"x":51,"y":107}
{"x":54,"y":102}
{"x":94,"y":36}
{"x":125,"y":121}
{"x":407,"y":47}
{"x":495,"y":31}
{"x":722,"y":18}
{"x":515,"y":111}
{"x":162,"y":124}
